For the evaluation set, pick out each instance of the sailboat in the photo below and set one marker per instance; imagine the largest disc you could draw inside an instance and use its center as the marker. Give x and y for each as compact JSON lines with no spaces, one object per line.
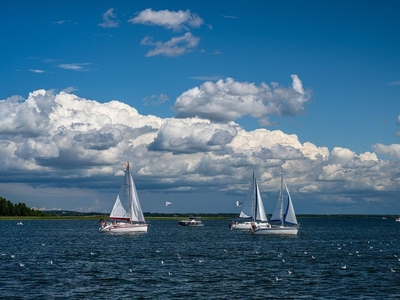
{"x":123,"y":221}
{"x":253,"y":212}
{"x":280,"y":223}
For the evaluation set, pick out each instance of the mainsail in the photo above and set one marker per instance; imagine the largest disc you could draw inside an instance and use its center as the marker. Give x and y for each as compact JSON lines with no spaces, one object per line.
{"x":290,"y":216}
{"x":253,"y":207}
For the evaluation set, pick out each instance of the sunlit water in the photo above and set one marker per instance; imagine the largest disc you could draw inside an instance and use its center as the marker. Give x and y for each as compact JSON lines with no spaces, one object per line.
{"x":71,"y":260}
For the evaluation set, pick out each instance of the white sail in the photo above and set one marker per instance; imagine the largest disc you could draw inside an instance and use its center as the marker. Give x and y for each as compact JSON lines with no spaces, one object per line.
{"x":136,"y":209}
{"x":248,"y":204}
{"x":259,"y":211}
{"x":290,"y":215}
{"x":277,"y":214}
{"x":118,"y":212}
{"x":253,"y":207}
{"x":278,"y":211}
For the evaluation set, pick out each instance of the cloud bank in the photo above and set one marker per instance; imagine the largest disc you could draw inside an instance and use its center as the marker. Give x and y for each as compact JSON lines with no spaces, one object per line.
{"x":60,"y":141}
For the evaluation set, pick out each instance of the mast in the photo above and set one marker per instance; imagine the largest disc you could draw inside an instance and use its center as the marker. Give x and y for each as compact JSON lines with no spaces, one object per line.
{"x":130,"y":192}
{"x":254,"y":198}
{"x":281,"y":196}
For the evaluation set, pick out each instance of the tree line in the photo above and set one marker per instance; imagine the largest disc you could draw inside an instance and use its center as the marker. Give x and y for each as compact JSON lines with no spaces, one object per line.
{"x":7,"y":208}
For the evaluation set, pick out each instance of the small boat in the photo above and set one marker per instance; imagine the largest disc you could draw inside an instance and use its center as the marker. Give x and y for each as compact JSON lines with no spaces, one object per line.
{"x":121,"y":220}
{"x":398,"y":219}
{"x":191,"y":221}
{"x":253,"y":212}
{"x":280,"y":224}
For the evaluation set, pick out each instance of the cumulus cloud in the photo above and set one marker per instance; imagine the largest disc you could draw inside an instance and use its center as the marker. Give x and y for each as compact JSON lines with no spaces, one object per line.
{"x":110,"y":19}
{"x":174,"y":47}
{"x":228,"y":100}
{"x":55,"y":141}
{"x":391,"y":150}
{"x":175,"y":20}
{"x":193,"y":136}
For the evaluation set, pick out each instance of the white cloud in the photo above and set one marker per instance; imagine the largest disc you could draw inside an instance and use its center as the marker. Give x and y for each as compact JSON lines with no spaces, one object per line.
{"x":110,"y":19}
{"x":37,"y":71}
{"x":175,"y":20}
{"x":228,"y":99}
{"x":391,"y":150}
{"x":75,"y":67}
{"x":174,"y":47}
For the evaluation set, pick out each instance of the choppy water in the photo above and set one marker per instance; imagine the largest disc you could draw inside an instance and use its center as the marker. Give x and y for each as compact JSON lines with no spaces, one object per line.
{"x":71,"y":260}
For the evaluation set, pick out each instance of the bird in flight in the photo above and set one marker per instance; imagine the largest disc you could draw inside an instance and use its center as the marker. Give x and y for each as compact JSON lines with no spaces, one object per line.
{"x":168,"y":203}
{"x":238,"y":203}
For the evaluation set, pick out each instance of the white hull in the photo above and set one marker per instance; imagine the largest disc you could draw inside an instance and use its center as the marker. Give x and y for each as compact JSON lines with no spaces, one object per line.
{"x":275,"y":230}
{"x":123,"y":228}
{"x":190,"y":224}
{"x":192,"y":221}
{"x":246,"y":225}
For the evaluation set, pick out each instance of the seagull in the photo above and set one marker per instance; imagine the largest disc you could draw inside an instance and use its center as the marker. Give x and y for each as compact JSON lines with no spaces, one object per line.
{"x":200,"y":260}
{"x":168,"y":203}
{"x":169,"y":273}
{"x":344,"y":267}
{"x":238,"y":204}
{"x":289,"y":272}
{"x":162,"y":262}
{"x":24,"y":265}
{"x":393,"y":271}
{"x":277,"y":279}
{"x":130,"y":270}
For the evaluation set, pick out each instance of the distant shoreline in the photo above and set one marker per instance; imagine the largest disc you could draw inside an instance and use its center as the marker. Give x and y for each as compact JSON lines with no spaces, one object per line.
{"x":205,"y":216}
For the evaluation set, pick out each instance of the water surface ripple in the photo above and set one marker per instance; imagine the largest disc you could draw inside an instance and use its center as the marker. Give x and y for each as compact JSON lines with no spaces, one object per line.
{"x":71,"y":260}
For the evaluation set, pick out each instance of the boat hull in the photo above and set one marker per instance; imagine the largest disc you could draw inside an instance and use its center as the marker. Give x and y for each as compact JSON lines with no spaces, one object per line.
{"x":190,"y":223}
{"x":275,"y":230}
{"x":246,"y":225}
{"x":123,"y":228}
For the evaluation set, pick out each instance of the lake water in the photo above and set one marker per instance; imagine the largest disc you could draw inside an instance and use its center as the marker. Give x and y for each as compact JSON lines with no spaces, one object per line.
{"x":71,"y":260}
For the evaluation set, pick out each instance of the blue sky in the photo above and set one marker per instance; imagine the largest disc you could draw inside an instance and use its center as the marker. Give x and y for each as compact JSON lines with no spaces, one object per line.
{"x":196,"y":95}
